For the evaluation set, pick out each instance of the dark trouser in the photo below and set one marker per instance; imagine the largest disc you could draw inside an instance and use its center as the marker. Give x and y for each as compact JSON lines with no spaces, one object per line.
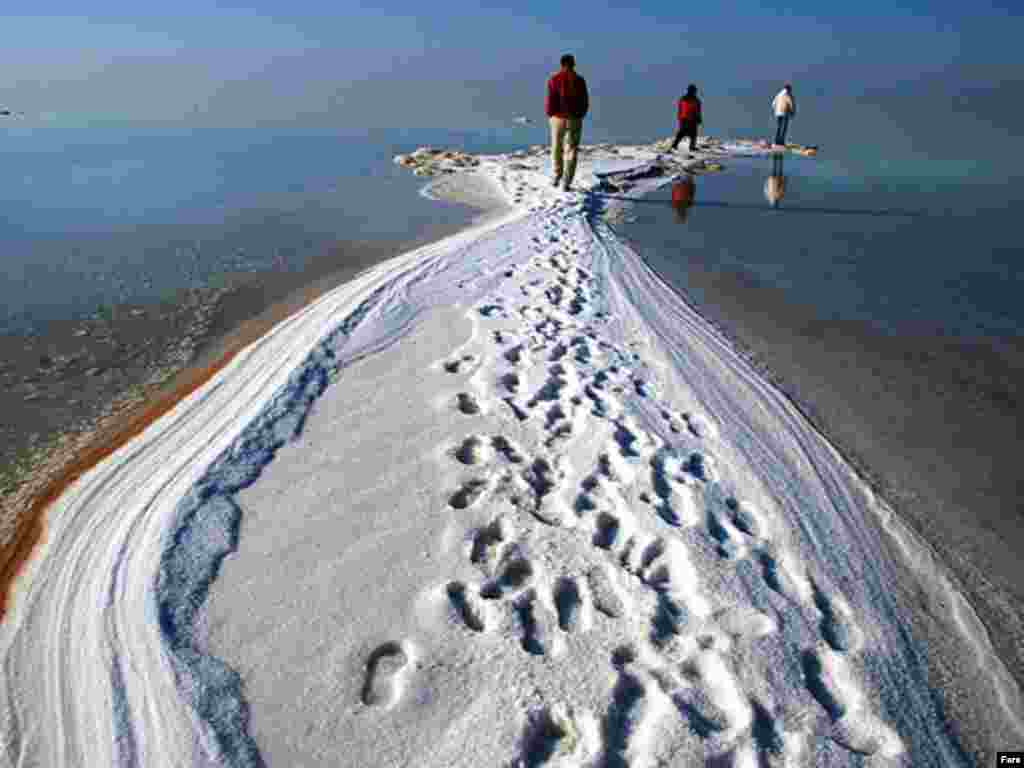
{"x":780,"y":132}
{"x":686,"y":129}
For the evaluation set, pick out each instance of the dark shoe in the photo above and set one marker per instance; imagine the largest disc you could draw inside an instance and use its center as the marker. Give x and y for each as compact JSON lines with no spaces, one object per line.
{"x":557,"y":181}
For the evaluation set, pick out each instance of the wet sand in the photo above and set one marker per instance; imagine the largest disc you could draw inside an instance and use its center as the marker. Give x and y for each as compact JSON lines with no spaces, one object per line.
{"x":77,"y":393}
{"x":933,"y":422}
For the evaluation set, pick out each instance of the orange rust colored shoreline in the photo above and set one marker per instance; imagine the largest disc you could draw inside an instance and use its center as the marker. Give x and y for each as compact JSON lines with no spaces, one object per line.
{"x":29,"y":524}
{"x":30,"y":527}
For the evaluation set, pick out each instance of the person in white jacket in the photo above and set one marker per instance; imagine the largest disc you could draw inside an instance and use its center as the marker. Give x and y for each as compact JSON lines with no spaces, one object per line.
{"x":784,"y":106}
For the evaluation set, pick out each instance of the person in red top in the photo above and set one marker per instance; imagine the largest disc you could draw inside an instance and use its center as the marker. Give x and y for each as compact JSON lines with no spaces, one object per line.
{"x":566,"y":105}
{"x":689,"y":118}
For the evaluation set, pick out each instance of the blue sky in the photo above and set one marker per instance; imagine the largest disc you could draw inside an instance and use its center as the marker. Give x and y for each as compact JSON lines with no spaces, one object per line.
{"x":471,"y":64}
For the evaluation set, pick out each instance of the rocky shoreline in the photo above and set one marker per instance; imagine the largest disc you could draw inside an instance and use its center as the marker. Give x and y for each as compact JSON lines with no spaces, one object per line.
{"x":78,"y":391}
{"x":65,"y":390}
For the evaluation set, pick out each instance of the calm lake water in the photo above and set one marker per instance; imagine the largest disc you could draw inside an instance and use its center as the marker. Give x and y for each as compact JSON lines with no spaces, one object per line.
{"x":114,"y":214}
{"x":907,"y":255}
{"x":93,"y":216}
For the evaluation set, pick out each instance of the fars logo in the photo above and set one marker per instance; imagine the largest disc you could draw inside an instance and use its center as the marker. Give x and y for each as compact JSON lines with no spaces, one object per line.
{"x":1010,"y":758}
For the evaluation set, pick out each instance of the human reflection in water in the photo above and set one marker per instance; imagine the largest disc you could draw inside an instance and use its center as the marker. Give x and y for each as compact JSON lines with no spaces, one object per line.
{"x":775,"y":186}
{"x":683,"y":192}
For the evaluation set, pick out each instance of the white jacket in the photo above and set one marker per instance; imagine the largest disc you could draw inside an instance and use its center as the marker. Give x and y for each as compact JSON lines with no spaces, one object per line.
{"x":784,"y":104}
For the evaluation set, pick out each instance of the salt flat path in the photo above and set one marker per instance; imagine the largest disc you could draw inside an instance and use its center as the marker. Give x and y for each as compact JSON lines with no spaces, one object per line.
{"x":504,"y":500}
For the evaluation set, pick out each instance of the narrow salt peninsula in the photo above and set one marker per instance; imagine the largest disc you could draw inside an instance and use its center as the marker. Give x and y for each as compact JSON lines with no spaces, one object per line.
{"x":506,"y":500}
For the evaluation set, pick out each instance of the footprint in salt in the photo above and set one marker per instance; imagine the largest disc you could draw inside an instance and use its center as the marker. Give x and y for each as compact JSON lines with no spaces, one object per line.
{"x":545,"y":478}
{"x":606,"y":531}
{"x":467,"y":495}
{"x":486,"y":543}
{"x":458,"y":364}
{"x":558,"y":735}
{"x":517,"y":411}
{"x":511,"y":382}
{"x":573,"y":611}
{"x":492,"y":310}
{"x":630,"y":723}
{"x":537,"y":625}
{"x":468,"y":404}
{"x":830,"y":680}
{"x":473,"y":450}
{"x":715,"y":703}
{"x":385,"y":672}
{"x":468,"y":606}
{"x":837,"y":627}
{"x":515,"y":355}
{"x":514,"y":573}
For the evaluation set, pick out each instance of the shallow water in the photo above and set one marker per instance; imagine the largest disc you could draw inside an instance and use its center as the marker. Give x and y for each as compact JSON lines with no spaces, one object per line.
{"x":903,"y":255}
{"x":93,"y":216}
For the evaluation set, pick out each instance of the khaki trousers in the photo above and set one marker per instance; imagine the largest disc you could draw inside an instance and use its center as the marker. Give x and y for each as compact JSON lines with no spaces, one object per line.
{"x":565,"y":130}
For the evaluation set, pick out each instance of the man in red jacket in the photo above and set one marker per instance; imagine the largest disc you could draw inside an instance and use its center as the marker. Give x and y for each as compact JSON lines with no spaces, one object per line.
{"x":566,"y":105}
{"x":689,"y":118}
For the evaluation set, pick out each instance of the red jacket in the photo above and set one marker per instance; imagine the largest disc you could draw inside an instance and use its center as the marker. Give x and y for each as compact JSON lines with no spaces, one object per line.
{"x":567,"y":95}
{"x":689,"y":110}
